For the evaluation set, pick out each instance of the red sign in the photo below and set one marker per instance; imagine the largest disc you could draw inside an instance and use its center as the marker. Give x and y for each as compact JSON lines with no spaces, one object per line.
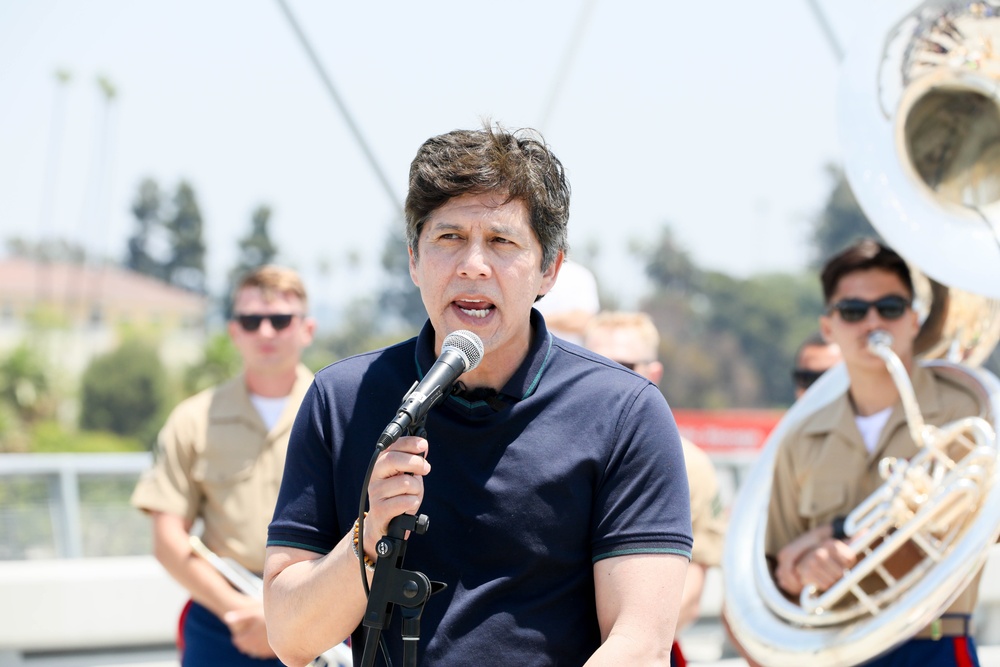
{"x":727,"y":431}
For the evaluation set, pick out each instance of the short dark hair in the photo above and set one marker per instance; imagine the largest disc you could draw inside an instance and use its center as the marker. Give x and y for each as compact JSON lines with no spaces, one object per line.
{"x":492,"y":160}
{"x":863,"y":255}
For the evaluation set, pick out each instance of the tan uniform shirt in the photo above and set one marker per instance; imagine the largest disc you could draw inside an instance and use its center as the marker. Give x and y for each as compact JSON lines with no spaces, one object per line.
{"x":215,"y":460}
{"x":708,"y":525}
{"x":823,"y":470}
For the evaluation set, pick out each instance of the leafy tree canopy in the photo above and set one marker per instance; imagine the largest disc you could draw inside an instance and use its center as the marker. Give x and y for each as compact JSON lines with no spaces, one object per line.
{"x":841,"y":221}
{"x":255,"y":249}
{"x":167,"y":242}
{"x":400,"y":296}
{"x":125,"y":392}
{"x":220,"y":362}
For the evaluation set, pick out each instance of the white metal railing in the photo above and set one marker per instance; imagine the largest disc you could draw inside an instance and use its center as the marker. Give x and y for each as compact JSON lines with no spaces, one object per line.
{"x":62,"y":475}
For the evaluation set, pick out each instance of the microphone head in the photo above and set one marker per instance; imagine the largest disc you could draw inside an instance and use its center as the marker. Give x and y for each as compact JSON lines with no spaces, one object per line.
{"x":467,"y":344}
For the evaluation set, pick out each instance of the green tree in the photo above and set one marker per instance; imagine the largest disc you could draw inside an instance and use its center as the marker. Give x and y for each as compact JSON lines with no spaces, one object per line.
{"x":186,"y":267}
{"x":769,"y":316}
{"x":220,"y":361}
{"x":255,"y":249}
{"x":668,"y":265}
{"x":726,"y":342}
{"x":400,"y":297}
{"x":125,"y":392}
{"x":25,"y":385}
{"x":28,"y":397}
{"x":358,"y":331}
{"x":841,"y":222}
{"x":142,"y":254}
{"x":47,"y":250}
{"x":168,"y":241}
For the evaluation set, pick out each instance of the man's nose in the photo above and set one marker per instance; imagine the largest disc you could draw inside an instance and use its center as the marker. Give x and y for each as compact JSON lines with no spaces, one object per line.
{"x":473,"y":262}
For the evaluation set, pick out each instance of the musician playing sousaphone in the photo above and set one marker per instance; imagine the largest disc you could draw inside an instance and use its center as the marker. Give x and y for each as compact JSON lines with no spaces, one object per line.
{"x":830,"y":462}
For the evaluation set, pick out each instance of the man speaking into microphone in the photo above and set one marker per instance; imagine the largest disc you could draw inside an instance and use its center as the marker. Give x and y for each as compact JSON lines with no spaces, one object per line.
{"x":553,"y":478}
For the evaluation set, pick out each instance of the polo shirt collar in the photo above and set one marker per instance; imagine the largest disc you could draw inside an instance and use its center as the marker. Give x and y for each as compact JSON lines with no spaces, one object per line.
{"x":525,"y":379}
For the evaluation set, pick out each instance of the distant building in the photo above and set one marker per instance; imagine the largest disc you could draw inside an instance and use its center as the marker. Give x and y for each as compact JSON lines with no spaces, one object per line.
{"x":74,"y":312}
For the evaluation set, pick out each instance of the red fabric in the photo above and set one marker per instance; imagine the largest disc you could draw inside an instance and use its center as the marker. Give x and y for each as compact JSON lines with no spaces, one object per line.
{"x":180,"y":627}
{"x":676,"y":657}
{"x":962,"y":658}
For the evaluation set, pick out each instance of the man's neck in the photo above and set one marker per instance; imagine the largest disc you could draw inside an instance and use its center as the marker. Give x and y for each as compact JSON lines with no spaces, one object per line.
{"x":270,"y":385}
{"x":872,"y":391}
{"x":499,"y":365}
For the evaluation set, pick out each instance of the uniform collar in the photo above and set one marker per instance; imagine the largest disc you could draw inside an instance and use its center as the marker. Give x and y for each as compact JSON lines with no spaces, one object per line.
{"x":232,"y":400}
{"x":839,"y":415}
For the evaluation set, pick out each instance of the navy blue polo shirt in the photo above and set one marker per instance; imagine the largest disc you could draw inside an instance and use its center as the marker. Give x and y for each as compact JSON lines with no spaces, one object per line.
{"x":577,"y":459}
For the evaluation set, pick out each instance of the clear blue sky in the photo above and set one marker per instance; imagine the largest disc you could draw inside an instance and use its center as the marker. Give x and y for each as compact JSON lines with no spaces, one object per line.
{"x":716,"y":117}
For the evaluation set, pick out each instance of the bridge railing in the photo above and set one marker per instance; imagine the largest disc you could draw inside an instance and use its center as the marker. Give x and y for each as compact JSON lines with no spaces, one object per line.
{"x":75,"y":564}
{"x":71,"y":506}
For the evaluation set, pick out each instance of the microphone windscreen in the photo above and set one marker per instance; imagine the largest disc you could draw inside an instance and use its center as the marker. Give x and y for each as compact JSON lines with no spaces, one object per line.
{"x":466,"y":344}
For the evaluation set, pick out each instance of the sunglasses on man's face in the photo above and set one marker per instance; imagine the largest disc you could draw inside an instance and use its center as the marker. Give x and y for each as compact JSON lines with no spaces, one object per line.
{"x":804,"y":378}
{"x":252,"y":322}
{"x":854,"y":310}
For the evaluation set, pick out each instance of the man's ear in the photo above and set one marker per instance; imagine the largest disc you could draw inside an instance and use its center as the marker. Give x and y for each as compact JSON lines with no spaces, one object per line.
{"x":825,"y":328}
{"x":413,"y":266}
{"x":654,"y":372}
{"x":308,"y":331}
{"x":550,"y":274}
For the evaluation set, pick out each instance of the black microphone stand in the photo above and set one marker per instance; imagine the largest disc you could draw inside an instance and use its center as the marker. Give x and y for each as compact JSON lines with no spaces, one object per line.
{"x":393,"y":585}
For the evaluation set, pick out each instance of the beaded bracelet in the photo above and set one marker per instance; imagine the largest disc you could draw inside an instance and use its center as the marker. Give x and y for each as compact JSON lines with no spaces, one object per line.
{"x":369,"y":564}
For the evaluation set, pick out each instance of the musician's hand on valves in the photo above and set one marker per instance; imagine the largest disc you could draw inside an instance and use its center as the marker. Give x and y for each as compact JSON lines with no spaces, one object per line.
{"x":825,"y":565}
{"x":396,"y":487}
{"x":786,"y":572}
{"x":812,"y":558}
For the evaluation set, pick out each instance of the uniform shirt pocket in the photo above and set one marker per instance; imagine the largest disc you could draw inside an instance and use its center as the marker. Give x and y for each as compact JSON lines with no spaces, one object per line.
{"x":229,"y":456}
{"x":821,"y":501}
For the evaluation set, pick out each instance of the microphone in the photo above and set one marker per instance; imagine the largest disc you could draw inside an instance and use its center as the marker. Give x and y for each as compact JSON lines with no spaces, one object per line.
{"x":461,"y":352}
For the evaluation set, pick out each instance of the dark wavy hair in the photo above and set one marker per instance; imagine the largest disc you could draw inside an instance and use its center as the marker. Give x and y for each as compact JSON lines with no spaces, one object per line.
{"x":511,"y":164}
{"x":860,"y":256}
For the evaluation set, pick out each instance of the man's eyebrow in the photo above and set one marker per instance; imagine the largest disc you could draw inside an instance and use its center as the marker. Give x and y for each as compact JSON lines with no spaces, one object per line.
{"x":432,"y":224}
{"x":498,"y":228}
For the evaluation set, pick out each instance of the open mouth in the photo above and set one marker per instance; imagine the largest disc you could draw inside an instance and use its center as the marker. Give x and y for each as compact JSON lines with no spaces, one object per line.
{"x":478,"y":309}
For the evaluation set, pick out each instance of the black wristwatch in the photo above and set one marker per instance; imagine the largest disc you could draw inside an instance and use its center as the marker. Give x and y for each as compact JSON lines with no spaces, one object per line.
{"x":838,"y":528}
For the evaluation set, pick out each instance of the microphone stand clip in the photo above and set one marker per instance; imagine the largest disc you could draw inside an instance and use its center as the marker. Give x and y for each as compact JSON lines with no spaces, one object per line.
{"x":391,"y":584}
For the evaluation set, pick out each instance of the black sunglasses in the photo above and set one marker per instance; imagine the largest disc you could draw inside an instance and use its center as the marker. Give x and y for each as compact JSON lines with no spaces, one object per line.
{"x":889,"y":307}
{"x":804,"y":378}
{"x":278,"y":321}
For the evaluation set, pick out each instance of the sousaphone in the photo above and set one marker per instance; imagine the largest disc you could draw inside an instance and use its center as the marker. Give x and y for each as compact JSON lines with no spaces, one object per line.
{"x":920,"y":125}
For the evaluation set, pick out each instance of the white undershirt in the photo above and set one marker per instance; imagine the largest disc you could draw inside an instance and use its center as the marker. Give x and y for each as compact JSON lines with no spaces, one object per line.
{"x":269,"y":409}
{"x":871,"y":427}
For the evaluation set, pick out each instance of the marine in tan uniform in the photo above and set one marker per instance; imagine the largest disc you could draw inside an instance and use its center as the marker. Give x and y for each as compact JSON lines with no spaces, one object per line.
{"x":829,"y":463}
{"x":814,"y":357}
{"x":219,"y":460}
{"x":632,"y":340}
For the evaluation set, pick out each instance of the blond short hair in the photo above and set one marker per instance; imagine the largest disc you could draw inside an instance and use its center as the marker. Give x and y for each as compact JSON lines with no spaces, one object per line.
{"x":640,"y":322}
{"x":273,"y":281}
